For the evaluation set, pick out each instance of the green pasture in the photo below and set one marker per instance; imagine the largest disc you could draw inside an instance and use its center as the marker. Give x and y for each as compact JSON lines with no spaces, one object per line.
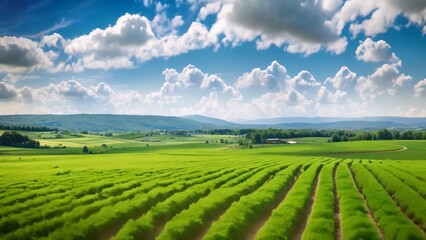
{"x":134,"y":186}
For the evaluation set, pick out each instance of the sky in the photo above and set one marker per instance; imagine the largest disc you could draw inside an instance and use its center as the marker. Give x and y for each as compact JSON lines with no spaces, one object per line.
{"x":231,"y":59}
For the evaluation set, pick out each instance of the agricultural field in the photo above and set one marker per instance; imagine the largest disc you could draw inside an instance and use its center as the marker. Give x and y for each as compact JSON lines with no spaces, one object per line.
{"x":136,"y":186}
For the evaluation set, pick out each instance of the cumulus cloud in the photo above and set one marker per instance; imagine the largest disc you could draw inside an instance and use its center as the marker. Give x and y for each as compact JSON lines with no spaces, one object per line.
{"x":7,"y":92}
{"x":114,"y":46}
{"x":210,"y":8}
{"x":53,"y":40}
{"x":132,"y":37}
{"x":273,"y":77}
{"x":327,"y":97}
{"x":300,"y":27}
{"x":282,"y":103}
{"x":190,"y":76}
{"x":386,"y":79}
{"x":420,"y":88}
{"x":161,"y":24}
{"x":344,"y":79}
{"x":21,"y":55}
{"x":304,"y":82}
{"x":371,"y":51}
{"x":378,"y":15}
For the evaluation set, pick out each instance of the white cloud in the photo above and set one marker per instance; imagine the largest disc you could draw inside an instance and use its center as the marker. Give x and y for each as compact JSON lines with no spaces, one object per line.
{"x":114,"y":46}
{"x":304,"y":82}
{"x":132,"y":38}
{"x":7,"y":92}
{"x":210,"y":8}
{"x":327,"y":97}
{"x":420,"y":88}
{"x":344,"y":79}
{"x":162,"y":25}
{"x":378,"y":15}
{"x":53,"y":40}
{"x":281,"y":103}
{"x":386,"y":79}
{"x":21,"y":55}
{"x":273,"y":77}
{"x":371,"y":51}
{"x":300,"y":27}
{"x":331,"y":5}
{"x":189,"y":77}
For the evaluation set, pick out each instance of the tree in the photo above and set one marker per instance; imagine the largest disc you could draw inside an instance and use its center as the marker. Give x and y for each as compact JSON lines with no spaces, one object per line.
{"x":335,"y":138}
{"x":85,"y":149}
{"x":407,"y":135}
{"x":344,"y":138}
{"x":15,"y":139}
{"x":384,"y":134}
{"x":257,"y":138}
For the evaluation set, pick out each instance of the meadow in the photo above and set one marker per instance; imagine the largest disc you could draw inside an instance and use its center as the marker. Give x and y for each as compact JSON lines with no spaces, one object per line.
{"x":136,"y":186}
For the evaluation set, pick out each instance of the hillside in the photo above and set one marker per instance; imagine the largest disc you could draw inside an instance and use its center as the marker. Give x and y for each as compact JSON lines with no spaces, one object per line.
{"x":107,"y":122}
{"x":111,"y":122}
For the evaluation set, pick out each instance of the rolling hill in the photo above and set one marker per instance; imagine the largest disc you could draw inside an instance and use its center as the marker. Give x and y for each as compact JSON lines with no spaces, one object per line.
{"x":111,"y":122}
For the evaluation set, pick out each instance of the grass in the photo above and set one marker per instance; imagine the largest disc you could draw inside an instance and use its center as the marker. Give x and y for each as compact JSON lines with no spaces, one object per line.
{"x":182,"y":188}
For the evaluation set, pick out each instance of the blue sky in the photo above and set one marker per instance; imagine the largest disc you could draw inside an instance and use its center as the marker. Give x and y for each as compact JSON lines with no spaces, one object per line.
{"x":233,"y":59}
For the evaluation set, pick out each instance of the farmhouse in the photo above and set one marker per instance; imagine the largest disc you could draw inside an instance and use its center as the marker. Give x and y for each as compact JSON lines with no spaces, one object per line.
{"x":273,"y":140}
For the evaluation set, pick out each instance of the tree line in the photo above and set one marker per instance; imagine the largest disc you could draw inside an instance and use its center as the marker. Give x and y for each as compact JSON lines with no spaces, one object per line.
{"x":259,"y":136}
{"x":383,"y":134}
{"x":15,"y":139}
{"x":29,"y":128}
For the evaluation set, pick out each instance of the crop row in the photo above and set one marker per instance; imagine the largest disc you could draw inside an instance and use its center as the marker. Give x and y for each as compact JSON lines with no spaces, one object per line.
{"x":192,"y":221}
{"x":391,"y":220}
{"x":354,"y":217}
{"x":102,"y":222}
{"x":145,"y":226}
{"x":57,"y":207}
{"x":45,"y":226}
{"x":321,"y":224}
{"x":149,"y":225}
{"x":60,"y":185}
{"x":31,"y":189}
{"x":407,"y":198}
{"x":285,"y":218}
{"x":236,"y":222}
{"x":415,"y":183}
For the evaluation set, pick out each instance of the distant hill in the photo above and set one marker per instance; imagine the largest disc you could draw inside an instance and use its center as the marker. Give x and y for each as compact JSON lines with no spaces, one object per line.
{"x":352,"y":125}
{"x":215,"y":121}
{"x":317,"y":120}
{"x":111,"y":122}
{"x":106,"y":122}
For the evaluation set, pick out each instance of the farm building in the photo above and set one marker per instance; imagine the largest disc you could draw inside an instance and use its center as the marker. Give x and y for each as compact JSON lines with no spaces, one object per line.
{"x":273,"y":141}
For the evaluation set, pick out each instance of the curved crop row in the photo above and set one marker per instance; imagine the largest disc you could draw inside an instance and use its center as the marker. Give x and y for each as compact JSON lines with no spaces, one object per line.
{"x":58,"y":207}
{"x":50,"y":187}
{"x":355,"y":220}
{"x":408,"y":199}
{"x":46,"y":226}
{"x":321,"y":221}
{"x":236,"y":221}
{"x":144,"y":226}
{"x":418,"y":185}
{"x":287,"y":215}
{"x":394,"y":223}
{"x":190,"y":222}
{"x":118,"y":214}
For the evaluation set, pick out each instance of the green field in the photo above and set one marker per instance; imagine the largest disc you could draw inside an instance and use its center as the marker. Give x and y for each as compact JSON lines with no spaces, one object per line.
{"x":138,"y":186}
